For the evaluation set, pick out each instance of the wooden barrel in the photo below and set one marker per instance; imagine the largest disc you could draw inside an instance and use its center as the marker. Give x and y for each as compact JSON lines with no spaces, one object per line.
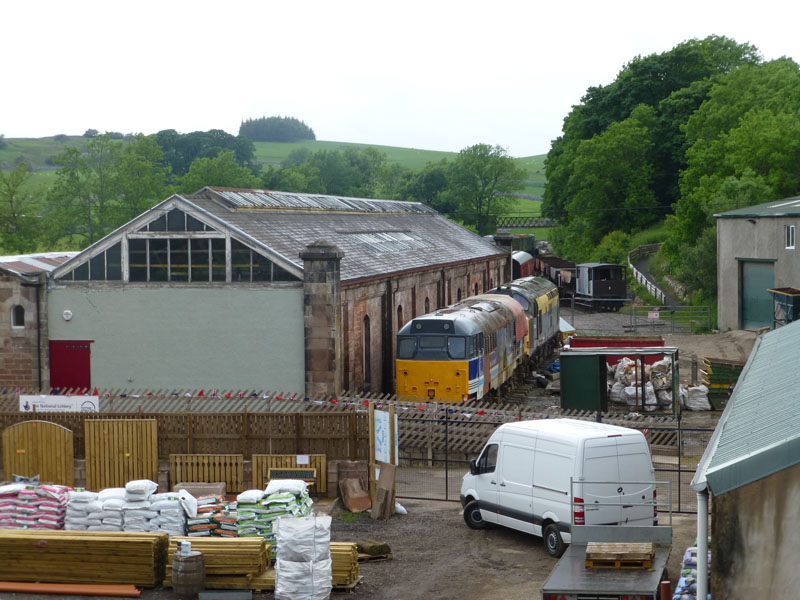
{"x":188,"y":575}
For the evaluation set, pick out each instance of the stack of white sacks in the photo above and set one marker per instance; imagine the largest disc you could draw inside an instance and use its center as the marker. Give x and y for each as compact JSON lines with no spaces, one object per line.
{"x":110,"y":514}
{"x":171,"y":516}
{"x":82,"y":503}
{"x":136,"y":511}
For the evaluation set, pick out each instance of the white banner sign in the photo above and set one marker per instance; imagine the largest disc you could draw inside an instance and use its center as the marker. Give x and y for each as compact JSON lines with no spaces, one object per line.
{"x":46,"y":403}
{"x":383,"y":448}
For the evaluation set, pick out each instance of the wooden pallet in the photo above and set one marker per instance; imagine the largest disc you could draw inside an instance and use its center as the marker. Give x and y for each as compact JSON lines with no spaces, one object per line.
{"x":618,"y":564}
{"x":600,"y":555}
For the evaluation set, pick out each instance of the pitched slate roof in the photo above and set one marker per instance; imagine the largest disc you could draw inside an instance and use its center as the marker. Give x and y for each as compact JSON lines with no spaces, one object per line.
{"x":377,"y":236}
{"x":788,"y":207}
{"x":759,"y":432}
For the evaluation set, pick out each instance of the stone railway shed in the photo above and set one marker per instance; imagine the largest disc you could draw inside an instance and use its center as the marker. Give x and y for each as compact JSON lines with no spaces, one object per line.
{"x":751,"y":468}
{"x":255,"y":290}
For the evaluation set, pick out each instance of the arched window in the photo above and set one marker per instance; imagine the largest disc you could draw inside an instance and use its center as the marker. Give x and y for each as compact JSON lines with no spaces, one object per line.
{"x":427,"y":305}
{"x":399,"y":317}
{"x":18,"y":316}
{"x":366,"y":362}
{"x":458,"y":294}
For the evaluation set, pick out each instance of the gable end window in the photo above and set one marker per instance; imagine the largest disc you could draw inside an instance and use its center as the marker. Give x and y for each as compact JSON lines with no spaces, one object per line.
{"x":789,"y":235}
{"x":18,"y":316}
{"x":177,"y":247}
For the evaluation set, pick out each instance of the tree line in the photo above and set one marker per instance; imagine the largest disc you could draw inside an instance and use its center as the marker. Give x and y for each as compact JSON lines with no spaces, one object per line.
{"x":677,"y":137}
{"x":98,"y":189}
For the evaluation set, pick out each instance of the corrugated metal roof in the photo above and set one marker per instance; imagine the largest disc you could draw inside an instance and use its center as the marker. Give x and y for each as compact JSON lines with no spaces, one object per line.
{"x":34,"y":264}
{"x":376,"y":236}
{"x":788,"y":207}
{"x":759,"y":432}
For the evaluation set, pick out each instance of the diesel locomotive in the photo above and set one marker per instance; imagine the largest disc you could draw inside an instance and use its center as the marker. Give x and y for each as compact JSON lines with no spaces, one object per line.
{"x":471,"y":349}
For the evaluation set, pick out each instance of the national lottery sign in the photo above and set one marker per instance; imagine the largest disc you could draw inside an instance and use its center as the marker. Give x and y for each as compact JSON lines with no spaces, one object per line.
{"x":46,"y":403}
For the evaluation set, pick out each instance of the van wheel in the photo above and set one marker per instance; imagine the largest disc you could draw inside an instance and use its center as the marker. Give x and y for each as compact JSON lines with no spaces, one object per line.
{"x":472,"y":516}
{"x":553,"y":543}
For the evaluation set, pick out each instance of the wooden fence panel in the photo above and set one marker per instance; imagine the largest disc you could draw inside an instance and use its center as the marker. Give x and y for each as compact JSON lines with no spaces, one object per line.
{"x":40,"y":448}
{"x":119,"y":451}
{"x":208,"y":468}
{"x":263,"y":462}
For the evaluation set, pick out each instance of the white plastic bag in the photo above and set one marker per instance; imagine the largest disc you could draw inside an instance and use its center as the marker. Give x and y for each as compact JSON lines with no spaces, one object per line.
{"x":189,"y":504}
{"x":250,"y":496}
{"x":294,"y":486}
{"x":303,"y":538}
{"x":141,"y":487}
{"x":697,"y":398}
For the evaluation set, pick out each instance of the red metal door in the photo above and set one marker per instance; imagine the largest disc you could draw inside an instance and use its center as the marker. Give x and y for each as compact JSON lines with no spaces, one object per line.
{"x":70,"y":364}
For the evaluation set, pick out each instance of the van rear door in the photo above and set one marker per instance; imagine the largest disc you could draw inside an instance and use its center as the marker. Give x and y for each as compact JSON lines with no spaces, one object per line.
{"x":601,"y":490}
{"x":635,"y":464}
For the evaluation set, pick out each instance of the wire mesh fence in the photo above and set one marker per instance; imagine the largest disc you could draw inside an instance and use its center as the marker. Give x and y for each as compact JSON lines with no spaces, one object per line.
{"x":434,"y":472}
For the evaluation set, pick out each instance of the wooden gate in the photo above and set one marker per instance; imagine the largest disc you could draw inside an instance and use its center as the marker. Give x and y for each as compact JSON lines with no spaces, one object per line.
{"x":119,"y":451}
{"x":40,"y":448}
{"x":262,"y":463}
{"x":208,"y":468}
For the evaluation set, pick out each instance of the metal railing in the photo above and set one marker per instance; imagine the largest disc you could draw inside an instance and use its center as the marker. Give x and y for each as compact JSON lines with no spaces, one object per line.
{"x":669,"y":319}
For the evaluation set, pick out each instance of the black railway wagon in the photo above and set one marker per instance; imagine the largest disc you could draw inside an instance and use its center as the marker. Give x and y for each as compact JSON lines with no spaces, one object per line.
{"x":601,"y":286}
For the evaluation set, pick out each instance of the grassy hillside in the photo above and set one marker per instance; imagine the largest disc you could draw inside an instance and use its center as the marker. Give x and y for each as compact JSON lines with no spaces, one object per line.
{"x":40,"y":152}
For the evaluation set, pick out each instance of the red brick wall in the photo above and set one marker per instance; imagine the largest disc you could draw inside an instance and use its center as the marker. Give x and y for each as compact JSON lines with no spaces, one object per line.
{"x":409,"y":292}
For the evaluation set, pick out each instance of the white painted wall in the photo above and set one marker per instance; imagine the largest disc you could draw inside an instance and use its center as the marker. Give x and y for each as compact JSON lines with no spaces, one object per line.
{"x":227,"y":337}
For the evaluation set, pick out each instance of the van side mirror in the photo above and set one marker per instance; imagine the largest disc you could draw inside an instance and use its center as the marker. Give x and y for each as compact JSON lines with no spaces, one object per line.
{"x":473,"y":467}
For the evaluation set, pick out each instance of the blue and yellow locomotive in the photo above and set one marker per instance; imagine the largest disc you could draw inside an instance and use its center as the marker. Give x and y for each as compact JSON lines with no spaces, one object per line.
{"x":471,"y":349}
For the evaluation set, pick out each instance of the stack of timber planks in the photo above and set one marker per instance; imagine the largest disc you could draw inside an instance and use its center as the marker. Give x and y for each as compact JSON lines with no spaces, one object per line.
{"x":344,"y":564}
{"x":83,"y":556}
{"x":230,"y":563}
{"x":243,"y":563}
{"x":720,"y":376}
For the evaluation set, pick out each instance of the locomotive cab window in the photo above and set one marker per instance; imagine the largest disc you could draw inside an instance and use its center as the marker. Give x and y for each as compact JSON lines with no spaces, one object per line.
{"x":431,"y":342}
{"x":406,"y":347}
{"x":457,"y":347}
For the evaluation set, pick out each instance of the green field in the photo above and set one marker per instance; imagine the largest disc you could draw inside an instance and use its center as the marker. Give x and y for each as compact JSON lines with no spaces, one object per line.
{"x":40,"y":152}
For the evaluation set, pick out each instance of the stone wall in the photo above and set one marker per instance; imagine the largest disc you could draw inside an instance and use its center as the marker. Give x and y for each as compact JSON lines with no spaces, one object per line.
{"x":19,"y":355}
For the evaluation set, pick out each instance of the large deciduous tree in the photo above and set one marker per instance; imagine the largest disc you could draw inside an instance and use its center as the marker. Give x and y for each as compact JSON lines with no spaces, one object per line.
{"x":481,"y":178}
{"x":221,"y":171}
{"x":19,"y":211}
{"x":100,"y":189}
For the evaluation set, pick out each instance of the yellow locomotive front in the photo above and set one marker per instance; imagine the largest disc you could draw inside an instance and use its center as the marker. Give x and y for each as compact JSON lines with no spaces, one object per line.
{"x":439,"y":358}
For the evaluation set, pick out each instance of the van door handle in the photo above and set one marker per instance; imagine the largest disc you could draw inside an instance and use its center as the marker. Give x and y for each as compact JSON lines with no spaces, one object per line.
{"x":493,"y":482}
{"x":502,"y":485}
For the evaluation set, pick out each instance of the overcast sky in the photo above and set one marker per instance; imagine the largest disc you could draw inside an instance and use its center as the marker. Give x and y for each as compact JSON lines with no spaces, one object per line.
{"x":436,"y":75}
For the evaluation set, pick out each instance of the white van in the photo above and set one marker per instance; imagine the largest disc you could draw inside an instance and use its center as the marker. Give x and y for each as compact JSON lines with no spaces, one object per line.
{"x":522,"y":479}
